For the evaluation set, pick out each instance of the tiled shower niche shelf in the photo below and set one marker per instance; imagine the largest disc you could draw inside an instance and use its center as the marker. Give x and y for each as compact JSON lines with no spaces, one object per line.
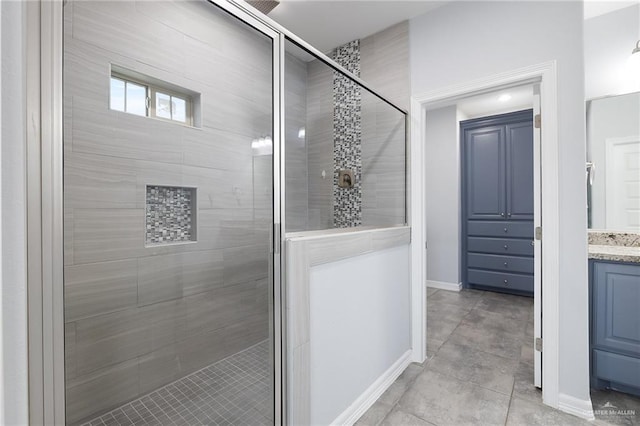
{"x":170,"y":215}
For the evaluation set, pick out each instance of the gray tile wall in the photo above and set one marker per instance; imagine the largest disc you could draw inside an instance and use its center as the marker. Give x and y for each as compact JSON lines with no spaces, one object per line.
{"x":297,"y":178}
{"x":320,"y":144}
{"x":384,"y":64}
{"x":139,"y":317}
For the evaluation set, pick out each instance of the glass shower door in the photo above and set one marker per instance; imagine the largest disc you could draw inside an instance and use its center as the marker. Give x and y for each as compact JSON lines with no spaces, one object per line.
{"x":168,"y":208}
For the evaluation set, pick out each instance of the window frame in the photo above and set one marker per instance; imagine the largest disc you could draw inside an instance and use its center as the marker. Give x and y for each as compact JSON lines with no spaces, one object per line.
{"x":152,"y":93}
{"x":152,"y":90}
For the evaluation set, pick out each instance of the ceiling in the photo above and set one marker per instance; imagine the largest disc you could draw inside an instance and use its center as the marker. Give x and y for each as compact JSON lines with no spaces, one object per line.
{"x":326,"y":24}
{"x":491,"y":103}
{"x":593,"y":8}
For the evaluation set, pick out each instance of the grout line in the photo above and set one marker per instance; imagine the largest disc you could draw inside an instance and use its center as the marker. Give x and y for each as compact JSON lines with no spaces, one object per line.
{"x":513,"y":387}
{"x":237,"y":376}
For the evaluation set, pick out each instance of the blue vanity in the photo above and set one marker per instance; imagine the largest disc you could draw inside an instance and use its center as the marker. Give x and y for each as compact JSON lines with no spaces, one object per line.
{"x":614,"y":290}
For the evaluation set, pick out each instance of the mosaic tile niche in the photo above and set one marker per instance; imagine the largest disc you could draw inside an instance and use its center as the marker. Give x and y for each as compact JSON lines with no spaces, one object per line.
{"x":347,"y":136}
{"x":170,"y":215}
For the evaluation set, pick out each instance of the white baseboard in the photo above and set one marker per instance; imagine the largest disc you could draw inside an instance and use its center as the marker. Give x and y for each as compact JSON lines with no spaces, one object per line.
{"x":443,"y":285}
{"x":373,"y":392}
{"x":578,"y":407}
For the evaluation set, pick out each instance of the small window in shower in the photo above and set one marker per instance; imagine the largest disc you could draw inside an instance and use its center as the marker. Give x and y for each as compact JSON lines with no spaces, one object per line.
{"x":127,"y":96}
{"x":137,"y":94}
{"x":169,"y":107}
{"x":170,"y":215}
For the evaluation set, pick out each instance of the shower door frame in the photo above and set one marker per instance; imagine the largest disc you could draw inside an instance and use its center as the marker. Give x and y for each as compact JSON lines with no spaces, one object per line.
{"x":44,"y":134}
{"x":44,"y":49}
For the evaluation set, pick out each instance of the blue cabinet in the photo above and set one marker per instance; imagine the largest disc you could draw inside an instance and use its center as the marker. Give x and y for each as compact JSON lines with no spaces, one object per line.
{"x":485,"y":172}
{"x":615,"y":325}
{"x":519,"y":170}
{"x":497,"y":202}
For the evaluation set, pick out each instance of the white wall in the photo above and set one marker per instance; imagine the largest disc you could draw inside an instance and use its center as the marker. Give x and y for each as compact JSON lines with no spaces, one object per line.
{"x":463,"y":41}
{"x":442,"y":195}
{"x":13,"y":305}
{"x":359,"y":326}
{"x":608,"y":42}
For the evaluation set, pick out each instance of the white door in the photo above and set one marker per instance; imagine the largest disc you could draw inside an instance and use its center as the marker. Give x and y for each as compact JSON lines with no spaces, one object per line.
{"x":622,"y":182}
{"x":537,"y":244}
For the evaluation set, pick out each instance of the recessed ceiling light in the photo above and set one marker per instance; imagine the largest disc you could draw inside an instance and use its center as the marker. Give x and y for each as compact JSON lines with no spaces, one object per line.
{"x":504,"y":98}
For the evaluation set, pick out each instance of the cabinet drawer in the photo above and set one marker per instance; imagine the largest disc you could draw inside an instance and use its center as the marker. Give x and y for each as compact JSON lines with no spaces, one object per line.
{"x":620,"y":369}
{"x":500,"y":228}
{"x":500,"y":263}
{"x":503,"y":280}
{"x":500,"y":246}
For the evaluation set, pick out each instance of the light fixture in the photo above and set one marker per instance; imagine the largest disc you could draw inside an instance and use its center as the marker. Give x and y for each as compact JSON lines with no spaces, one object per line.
{"x":504,"y":97}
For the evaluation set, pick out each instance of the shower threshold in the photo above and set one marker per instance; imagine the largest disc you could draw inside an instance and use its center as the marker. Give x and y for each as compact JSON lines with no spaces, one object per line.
{"x":233,"y":391}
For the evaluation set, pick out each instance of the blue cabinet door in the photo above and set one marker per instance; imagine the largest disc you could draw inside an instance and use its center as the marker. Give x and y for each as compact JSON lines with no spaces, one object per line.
{"x":615,"y":325}
{"x":616,"y":307}
{"x":484,"y":179}
{"x":519,"y":165}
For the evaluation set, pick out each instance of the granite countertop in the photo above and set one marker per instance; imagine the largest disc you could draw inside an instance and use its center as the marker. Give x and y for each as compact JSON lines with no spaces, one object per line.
{"x":614,"y":253}
{"x":614,"y":238}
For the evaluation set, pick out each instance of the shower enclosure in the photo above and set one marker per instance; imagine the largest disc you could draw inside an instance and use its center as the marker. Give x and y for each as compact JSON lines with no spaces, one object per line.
{"x":174,"y":206}
{"x":168,"y":209}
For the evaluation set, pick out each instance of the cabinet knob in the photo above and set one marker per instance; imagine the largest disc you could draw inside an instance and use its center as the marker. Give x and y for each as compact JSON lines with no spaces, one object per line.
{"x":506,"y":230}
{"x":505,"y":264}
{"x":506,"y":282}
{"x":509,"y":214}
{"x":502,"y":214}
{"x":506,"y":247}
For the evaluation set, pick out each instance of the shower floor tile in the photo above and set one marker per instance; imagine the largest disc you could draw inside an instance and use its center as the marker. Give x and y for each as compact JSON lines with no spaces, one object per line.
{"x":233,"y":391}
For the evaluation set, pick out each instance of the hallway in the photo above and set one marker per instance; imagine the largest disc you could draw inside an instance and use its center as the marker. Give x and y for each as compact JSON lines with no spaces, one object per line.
{"x":479,"y":370}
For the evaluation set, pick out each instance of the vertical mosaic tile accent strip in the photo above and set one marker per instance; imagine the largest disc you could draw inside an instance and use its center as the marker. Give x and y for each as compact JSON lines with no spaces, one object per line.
{"x":347,"y":136}
{"x":169,"y":214}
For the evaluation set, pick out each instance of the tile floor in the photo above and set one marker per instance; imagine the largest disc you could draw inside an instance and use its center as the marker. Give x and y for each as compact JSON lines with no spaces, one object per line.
{"x":479,"y":370}
{"x":233,"y":391}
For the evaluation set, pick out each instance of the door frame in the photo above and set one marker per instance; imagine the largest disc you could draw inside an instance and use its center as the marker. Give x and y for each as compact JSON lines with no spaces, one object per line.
{"x":546,"y":75}
{"x":45,"y":208}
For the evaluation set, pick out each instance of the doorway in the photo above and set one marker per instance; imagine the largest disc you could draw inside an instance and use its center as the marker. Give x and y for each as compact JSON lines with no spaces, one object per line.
{"x":549,"y":209}
{"x":475,"y":142}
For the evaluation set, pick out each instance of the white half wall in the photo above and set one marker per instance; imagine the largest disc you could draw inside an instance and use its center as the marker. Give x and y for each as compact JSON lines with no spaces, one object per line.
{"x":442,"y":195}
{"x":13,"y":299}
{"x":465,"y":41}
{"x":359,"y":327}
